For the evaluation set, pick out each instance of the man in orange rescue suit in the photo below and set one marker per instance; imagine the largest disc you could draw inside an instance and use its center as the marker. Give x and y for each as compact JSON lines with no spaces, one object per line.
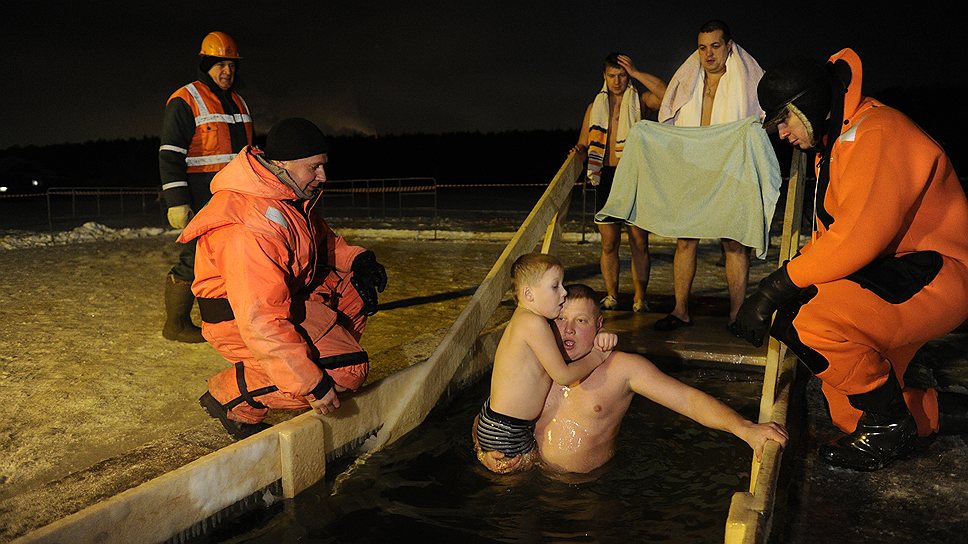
{"x":885,"y":271}
{"x":206,"y":124}
{"x":282,"y":297}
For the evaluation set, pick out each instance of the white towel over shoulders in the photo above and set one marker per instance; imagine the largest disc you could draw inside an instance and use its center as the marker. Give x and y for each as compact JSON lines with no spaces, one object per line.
{"x":735,"y":97}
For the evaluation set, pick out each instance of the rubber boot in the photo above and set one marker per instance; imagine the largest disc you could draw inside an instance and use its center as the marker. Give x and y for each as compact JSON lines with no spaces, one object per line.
{"x":885,"y":432}
{"x":952,"y":413}
{"x":178,"y":309}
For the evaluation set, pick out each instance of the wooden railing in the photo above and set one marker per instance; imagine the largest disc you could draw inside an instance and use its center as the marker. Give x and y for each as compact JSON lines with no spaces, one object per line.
{"x":750,"y":516}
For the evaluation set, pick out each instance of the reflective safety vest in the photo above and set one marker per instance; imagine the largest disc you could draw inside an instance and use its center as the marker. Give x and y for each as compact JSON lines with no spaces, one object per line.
{"x":211,"y":147}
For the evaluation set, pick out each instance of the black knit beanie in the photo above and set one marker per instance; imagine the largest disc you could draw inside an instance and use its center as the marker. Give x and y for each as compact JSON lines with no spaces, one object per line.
{"x":294,"y":138}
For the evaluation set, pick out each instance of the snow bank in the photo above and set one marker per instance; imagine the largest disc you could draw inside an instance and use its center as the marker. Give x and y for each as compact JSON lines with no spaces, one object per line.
{"x":88,"y":232}
{"x":92,"y":232}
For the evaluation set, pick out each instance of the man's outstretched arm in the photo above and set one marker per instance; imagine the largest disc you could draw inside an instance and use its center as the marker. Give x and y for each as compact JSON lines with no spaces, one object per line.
{"x":647,"y":380}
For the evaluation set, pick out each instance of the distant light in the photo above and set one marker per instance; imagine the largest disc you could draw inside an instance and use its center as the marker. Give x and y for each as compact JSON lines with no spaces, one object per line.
{"x":35,"y":183}
{"x":3,"y":189}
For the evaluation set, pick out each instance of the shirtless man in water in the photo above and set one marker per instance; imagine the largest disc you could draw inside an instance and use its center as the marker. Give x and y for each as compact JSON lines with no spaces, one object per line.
{"x":578,"y":426}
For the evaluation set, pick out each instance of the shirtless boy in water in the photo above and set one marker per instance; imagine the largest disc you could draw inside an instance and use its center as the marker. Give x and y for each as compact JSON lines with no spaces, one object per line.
{"x":579,"y":424}
{"x":528,"y":359}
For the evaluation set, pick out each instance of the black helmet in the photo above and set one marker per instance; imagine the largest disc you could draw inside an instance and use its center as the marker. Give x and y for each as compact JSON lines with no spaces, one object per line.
{"x":799,"y":81}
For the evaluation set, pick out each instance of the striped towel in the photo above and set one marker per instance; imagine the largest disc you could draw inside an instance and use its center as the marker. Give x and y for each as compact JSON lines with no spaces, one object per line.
{"x":598,"y":128}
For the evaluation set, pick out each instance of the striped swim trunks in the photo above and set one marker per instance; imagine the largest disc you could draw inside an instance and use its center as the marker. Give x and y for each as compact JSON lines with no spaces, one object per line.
{"x":508,"y":435}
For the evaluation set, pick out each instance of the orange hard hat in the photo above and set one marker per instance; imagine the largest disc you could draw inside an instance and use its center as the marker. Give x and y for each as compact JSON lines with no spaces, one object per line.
{"x":219,"y":44}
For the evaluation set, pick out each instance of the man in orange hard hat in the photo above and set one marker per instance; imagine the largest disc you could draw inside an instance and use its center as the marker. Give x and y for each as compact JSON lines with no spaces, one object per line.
{"x":206,"y":125}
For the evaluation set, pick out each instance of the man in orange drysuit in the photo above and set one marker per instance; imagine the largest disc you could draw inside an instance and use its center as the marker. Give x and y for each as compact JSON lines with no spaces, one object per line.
{"x":281,"y":295}
{"x":886,"y":269}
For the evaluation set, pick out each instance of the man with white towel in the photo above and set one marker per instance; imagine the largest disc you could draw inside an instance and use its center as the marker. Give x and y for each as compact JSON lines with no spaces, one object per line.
{"x":715,"y":85}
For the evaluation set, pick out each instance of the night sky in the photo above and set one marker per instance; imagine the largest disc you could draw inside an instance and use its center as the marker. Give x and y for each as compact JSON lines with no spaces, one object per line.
{"x":81,"y":71}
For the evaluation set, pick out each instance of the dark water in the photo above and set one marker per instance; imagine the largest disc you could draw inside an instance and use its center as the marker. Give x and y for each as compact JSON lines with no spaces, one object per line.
{"x":671,"y":481}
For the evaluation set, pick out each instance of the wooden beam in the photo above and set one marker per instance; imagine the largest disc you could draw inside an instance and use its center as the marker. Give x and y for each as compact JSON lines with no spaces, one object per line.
{"x":756,"y":506}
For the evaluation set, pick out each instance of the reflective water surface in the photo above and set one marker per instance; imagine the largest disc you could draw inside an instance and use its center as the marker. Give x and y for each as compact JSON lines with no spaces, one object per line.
{"x":671,"y":481}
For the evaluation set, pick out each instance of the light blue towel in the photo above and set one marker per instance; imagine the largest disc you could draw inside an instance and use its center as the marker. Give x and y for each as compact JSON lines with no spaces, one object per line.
{"x":718,"y":181}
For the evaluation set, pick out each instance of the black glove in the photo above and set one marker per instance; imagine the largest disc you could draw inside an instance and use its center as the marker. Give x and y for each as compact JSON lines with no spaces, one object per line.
{"x":369,"y":277}
{"x":753,"y":319}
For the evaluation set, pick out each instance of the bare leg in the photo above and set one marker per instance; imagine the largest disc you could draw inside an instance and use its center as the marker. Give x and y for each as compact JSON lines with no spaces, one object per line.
{"x":683,"y":272}
{"x":611,"y":238}
{"x":737,"y":274}
{"x":641,"y":262}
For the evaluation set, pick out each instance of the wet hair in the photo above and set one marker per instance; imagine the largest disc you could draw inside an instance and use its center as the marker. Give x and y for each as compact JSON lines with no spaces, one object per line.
{"x":580,"y":291}
{"x":528,"y":269}
{"x":611,"y":61}
{"x":717,"y":24}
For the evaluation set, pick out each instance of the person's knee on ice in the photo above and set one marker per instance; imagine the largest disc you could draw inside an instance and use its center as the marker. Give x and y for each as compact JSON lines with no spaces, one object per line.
{"x":294,"y":294}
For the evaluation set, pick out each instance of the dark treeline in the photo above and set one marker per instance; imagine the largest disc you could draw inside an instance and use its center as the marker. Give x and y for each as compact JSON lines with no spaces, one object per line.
{"x":532,"y":156}
{"x":132,"y":162}
{"x":466,"y":157}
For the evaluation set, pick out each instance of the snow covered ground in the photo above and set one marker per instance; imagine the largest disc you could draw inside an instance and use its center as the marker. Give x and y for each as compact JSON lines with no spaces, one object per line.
{"x":88,"y":232}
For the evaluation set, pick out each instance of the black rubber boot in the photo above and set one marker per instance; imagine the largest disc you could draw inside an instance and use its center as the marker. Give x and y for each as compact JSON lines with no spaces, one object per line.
{"x":952,"y":413}
{"x":885,"y":432}
{"x":178,"y":309}
{"x":237,"y":429}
